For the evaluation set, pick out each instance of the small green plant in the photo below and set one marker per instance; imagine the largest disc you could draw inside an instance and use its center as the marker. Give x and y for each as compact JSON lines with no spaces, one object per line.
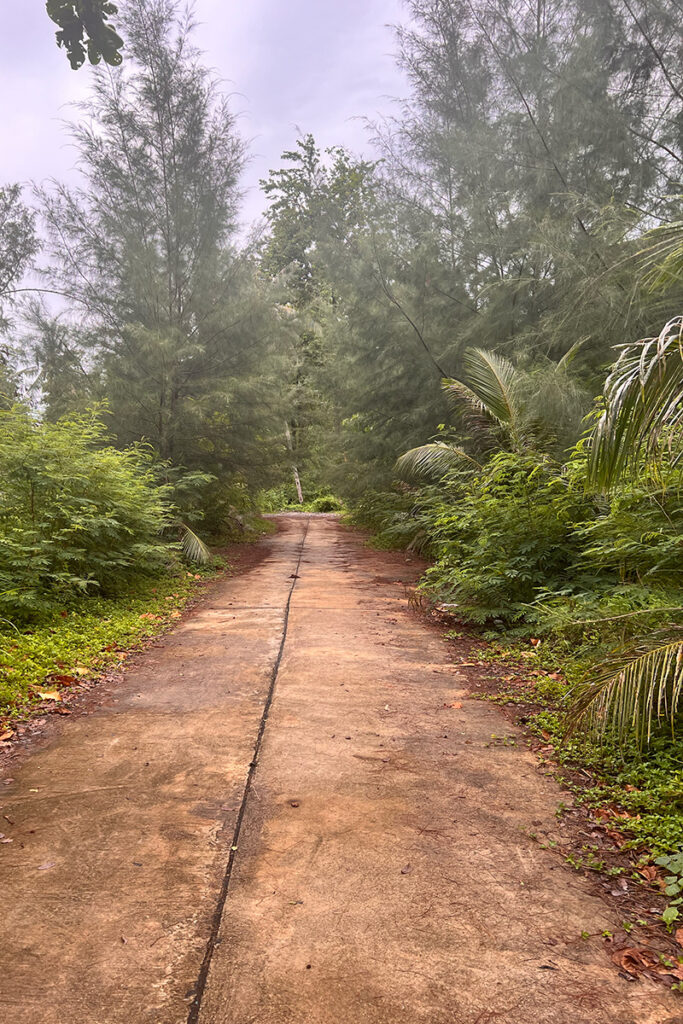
{"x":502,"y":741}
{"x":672,"y":864}
{"x":588,"y":862}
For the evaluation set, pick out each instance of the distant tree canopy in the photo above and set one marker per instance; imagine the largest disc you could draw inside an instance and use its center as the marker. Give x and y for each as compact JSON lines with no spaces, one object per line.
{"x":18,"y":242}
{"x":85,"y":30}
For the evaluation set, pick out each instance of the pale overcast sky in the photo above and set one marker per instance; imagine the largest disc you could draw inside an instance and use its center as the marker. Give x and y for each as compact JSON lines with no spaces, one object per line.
{"x":320,"y":65}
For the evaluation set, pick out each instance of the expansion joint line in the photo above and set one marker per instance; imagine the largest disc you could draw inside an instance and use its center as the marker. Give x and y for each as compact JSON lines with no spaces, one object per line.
{"x":196,"y":1005}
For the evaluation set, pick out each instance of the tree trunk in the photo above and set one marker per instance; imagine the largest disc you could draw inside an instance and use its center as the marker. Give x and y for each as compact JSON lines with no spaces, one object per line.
{"x":295,"y":471}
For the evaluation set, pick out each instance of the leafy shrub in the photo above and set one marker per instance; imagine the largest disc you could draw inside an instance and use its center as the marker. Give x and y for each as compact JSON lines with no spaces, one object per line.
{"x":220,"y":509}
{"x":377,"y":510}
{"x":280,"y":499}
{"x":326,"y":503}
{"x":76,"y":516}
{"x":506,"y":532}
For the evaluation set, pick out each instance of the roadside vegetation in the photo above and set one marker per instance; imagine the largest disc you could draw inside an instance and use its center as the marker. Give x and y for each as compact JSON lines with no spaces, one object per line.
{"x":64,"y":648}
{"x":93,"y":556}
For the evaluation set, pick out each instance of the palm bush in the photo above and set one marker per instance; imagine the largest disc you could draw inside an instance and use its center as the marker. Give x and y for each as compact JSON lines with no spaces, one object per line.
{"x":503,"y":407}
{"x":638,"y":438}
{"x":521,"y":535}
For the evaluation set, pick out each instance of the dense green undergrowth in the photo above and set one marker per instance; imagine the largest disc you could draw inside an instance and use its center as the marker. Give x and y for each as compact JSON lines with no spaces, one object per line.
{"x":90,"y":555}
{"x":522,"y":545}
{"x":78,"y":517}
{"x":285,"y":499}
{"x":74,"y":643}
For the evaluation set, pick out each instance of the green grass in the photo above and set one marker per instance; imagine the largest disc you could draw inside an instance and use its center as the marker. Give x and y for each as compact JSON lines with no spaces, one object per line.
{"x":89,"y":636}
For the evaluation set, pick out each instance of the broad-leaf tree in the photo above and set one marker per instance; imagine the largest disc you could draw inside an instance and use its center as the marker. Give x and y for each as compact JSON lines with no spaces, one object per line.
{"x":86,"y":31}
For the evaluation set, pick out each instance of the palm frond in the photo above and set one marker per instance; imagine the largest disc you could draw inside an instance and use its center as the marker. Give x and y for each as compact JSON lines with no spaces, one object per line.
{"x":662,"y":261}
{"x":489,"y":385}
{"x":644,"y":397}
{"x":433,"y":460}
{"x":571,"y":353}
{"x":634,"y":688}
{"x":194,"y":548}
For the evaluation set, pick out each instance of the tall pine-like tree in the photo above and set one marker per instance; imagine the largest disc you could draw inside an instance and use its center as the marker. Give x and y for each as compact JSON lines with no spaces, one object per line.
{"x":166,"y":317}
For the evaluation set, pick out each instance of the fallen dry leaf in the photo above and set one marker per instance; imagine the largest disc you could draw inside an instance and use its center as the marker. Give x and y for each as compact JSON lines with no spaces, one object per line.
{"x":49,"y":694}
{"x":406,"y":870}
{"x":6,"y":735}
{"x":59,"y":679}
{"x":634,"y":960}
{"x":637,"y":960}
{"x":649,"y":873}
{"x":678,"y":935}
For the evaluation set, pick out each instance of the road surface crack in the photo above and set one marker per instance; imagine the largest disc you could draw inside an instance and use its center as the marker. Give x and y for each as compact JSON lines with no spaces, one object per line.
{"x":196,"y":1005}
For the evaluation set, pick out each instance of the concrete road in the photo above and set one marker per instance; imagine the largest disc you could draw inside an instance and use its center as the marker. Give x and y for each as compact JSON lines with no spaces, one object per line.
{"x":277,"y":819}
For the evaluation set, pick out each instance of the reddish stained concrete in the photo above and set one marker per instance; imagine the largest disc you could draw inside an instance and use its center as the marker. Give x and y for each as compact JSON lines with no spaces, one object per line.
{"x":383,"y":871}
